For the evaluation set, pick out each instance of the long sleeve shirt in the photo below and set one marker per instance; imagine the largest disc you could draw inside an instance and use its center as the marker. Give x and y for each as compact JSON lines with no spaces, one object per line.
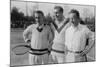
{"x":75,"y":39}
{"x":39,"y":40}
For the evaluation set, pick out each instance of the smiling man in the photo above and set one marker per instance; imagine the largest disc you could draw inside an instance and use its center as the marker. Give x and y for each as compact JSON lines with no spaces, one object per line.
{"x":76,"y":37}
{"x":40,"y":37}
{"x":59,"y":25}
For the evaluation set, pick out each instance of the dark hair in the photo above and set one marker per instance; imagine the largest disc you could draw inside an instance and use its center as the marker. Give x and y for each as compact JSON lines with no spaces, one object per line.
{"x":59,"y":8}
{"x":76,"y":12}
{"x":39,"y":12}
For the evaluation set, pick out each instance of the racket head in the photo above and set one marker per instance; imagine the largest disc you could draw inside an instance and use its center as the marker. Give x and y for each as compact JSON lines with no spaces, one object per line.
{"x":21,"y":49}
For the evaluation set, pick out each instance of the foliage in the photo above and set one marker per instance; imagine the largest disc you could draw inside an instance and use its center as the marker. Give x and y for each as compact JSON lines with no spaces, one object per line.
{"x":18,"y":20}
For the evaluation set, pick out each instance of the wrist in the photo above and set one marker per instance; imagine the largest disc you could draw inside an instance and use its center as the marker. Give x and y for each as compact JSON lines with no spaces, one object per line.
{"x":28,"y":41}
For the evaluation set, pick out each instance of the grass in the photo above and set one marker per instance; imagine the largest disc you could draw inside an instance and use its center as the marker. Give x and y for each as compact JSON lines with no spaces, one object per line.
{"x":17,"y":39}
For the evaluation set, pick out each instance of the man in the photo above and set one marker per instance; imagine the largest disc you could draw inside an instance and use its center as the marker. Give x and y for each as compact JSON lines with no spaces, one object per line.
{"x":59,"y":25}
{"x":75,"y":39}
{"x":40,"y":37}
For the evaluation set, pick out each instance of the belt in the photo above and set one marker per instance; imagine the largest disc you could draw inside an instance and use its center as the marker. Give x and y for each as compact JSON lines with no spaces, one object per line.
{"x":74,"y":51}
{"x":39,"y":51}
{"x":58,"y":51}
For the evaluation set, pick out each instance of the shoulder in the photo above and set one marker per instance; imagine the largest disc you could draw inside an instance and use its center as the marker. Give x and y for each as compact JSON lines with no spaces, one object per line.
{"x":85,"y":28}
{"x":67,"y":19}
{"x":49,"y":28}
{"x":32,"y":26}
{"x":66,"y":22}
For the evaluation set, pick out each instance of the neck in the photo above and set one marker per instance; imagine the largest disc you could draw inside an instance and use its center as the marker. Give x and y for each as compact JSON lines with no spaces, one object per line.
{"x":75,"y":25}
{"x":40,"y":23}
{"x":60,"y":19}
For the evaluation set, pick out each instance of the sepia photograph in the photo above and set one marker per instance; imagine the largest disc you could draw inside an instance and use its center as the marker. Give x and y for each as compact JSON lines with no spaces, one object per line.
{"x":43,"y":33}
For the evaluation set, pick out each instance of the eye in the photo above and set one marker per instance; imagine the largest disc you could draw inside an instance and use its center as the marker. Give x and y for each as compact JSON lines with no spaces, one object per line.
{"x":37,"y":17}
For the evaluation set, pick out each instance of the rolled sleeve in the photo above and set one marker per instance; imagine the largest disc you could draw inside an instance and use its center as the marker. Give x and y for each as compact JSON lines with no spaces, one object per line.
{"x":91,"y":35}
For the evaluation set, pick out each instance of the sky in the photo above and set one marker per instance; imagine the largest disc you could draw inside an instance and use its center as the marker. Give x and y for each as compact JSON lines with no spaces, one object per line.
{"x":28,"y":7}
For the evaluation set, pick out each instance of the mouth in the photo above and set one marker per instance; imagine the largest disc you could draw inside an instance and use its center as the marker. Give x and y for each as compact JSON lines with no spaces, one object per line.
{"x":57,"y":16}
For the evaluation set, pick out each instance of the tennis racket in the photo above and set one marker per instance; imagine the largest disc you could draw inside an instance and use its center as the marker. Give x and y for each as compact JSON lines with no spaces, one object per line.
{"x":23,"y":49}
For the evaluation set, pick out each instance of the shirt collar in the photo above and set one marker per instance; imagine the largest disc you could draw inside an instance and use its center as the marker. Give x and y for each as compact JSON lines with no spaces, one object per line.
{"x":78,"y":26}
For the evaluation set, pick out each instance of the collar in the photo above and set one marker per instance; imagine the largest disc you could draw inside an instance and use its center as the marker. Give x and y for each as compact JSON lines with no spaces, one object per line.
{"x":77,"y":27}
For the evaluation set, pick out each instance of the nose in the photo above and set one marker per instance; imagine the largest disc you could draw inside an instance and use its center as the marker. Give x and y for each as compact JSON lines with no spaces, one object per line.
{"x":57,"y":14}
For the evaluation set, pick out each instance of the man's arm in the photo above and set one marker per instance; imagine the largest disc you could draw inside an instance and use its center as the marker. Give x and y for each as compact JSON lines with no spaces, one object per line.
{"x":27,"y":35}
{"x":91,"y":42}
{"x":51,"y":37}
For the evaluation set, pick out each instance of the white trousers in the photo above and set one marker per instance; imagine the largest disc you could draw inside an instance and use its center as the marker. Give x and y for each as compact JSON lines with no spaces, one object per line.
{"x":73,"y":57}
{"x":38,"y":59}
{"x":57,"y":57}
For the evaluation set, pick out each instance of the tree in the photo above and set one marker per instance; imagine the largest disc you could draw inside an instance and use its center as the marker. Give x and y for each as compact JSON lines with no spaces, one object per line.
{"x":17,"y":18}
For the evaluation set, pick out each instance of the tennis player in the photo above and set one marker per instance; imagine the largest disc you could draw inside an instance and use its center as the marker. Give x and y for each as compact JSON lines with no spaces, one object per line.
{"x":40,"y":36}
{"x":75,"y":39}
{"x":59,"y":25}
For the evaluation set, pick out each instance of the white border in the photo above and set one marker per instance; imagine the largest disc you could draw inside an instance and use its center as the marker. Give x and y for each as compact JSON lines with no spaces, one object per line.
{"x":5,"y":32}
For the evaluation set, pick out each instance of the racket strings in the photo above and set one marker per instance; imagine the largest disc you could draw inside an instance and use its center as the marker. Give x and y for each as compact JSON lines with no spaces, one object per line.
{"x":23,"y":49}
{"x":20,"y":50}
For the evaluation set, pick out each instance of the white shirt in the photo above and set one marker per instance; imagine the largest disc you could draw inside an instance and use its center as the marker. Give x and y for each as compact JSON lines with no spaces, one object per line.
{"x":39,"y":40}
{"x":75,"y":39}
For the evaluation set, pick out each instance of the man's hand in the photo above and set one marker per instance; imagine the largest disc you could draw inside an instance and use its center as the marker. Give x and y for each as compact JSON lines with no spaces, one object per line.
{"x":50,"y":47}
{"x":28,"y":41}
{"x":82,"y":53}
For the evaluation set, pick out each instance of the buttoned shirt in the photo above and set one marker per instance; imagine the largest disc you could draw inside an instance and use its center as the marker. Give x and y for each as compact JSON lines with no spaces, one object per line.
{"x":75,"y":37}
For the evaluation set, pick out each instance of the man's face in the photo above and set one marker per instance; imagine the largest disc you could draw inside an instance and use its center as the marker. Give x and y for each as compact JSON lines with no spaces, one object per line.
{"x":73,"y":18}
{"x":57,"y":13}
{"x":38,"y":17}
